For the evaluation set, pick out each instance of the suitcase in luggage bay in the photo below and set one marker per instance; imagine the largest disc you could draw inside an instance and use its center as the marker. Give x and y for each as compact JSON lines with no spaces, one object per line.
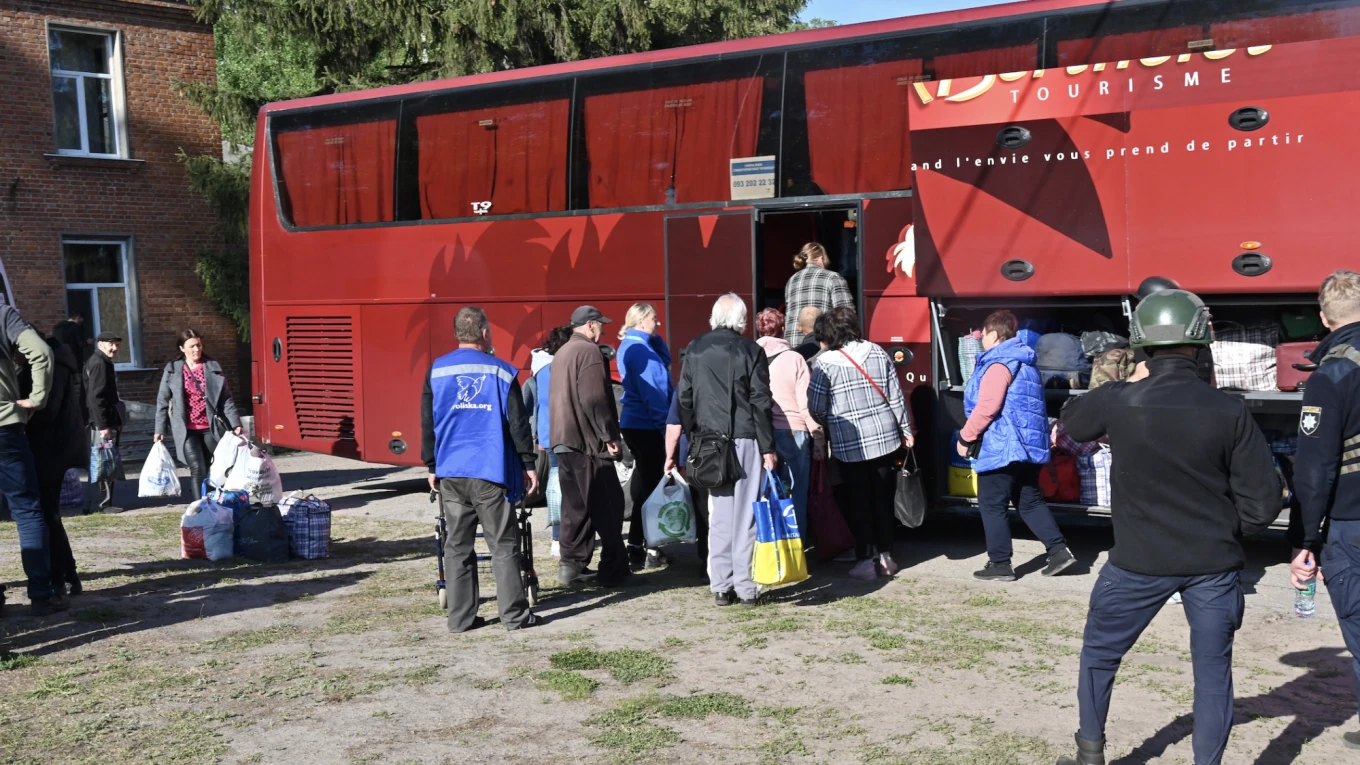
{"x":1287,"y":375}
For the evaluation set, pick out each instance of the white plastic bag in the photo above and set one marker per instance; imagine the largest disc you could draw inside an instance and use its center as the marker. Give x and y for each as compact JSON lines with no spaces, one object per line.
{"x":228,"y":450}
{"x":158,"y":478}
{"x":205,"y":531}
{"x":255,"y":474}
{"x":668,"y":514}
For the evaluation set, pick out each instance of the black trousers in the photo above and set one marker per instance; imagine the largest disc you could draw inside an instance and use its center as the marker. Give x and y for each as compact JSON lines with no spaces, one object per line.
{"x":198,"y":454}
{"x":63,"y":560}
{"x":466,"y":502}
{"x":649,"y":459}
{"x":870,"y":486}
{"x":1017,"y":483}
{"x":592,"y":502}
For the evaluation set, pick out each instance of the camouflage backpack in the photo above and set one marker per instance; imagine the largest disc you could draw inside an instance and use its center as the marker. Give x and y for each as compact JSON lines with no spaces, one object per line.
{"x":1111,"y":366}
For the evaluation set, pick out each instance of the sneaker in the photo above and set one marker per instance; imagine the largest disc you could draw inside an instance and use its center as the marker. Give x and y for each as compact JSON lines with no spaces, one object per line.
{"x":749,"y":603}
{"x":889,"y":566}
{"x":725,"y":598}
{"x":533,"y":620}
{"x":655,"y":559}
{"x":112,"y":510}
{"x":865,"y":570}
{"x":556,"y":549}
{"x":995,"y":572}
{"x":1174,"y":600}
{"x":846,"y":557}
{"x":1060,"y":561}
{"x":1351,"y":740}
{"x":51,"y":605}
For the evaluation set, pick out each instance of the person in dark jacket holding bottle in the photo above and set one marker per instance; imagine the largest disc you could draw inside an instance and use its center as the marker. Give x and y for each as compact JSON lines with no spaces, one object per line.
{"x":1007,"y":432}
{"x":106,"y":419}
{"x":1327,"y":469}
{"x":644,"y":364}
{"x":56,"y":436}
{"x":1192,"y":474}
{"x":476,"y":443}
{"x":195,"y":406}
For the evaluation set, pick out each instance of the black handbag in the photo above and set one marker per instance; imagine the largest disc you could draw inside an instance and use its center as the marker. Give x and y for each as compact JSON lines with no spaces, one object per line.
{"x":909,"y":501}
{"x":712,"y":462}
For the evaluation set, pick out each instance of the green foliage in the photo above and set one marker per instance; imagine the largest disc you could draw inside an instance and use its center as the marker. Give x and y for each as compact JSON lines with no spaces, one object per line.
{"x":627,"y":666}
{"x":225,"y":272}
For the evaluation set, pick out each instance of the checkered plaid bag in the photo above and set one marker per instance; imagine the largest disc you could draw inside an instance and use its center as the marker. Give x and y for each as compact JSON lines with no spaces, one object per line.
{"x":309,"y":526}
{"x":970,"y":347}
{"x":1244,"y":356}
{"x":1068,"y":445}
{"x":1094,"y":470}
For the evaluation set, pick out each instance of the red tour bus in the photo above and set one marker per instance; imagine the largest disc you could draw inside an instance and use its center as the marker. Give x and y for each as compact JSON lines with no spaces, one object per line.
{"x":1042,"y":156}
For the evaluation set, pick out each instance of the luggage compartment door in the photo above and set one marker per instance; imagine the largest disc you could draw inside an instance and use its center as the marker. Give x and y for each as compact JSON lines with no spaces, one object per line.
{"x":708,"y":254}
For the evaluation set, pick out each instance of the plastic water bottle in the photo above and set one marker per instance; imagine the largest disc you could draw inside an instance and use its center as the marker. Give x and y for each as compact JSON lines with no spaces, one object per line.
{"x":1303,"y":599}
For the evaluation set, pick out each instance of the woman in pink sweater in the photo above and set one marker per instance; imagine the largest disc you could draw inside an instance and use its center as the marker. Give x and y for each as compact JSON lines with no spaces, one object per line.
{"x":798,"y":439}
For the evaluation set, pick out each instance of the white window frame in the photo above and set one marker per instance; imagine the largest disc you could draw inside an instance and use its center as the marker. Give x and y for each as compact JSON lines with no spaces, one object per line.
{"x":129,"y":286}
{"x":114,"y":50}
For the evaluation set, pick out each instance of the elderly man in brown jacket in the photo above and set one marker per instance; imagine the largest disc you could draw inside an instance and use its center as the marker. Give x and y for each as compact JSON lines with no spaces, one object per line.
{"x":584,"y":431}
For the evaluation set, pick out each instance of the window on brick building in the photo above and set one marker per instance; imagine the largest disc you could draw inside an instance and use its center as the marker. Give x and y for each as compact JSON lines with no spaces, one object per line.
{"x":99,"y":287}
{"x":86,"y":97}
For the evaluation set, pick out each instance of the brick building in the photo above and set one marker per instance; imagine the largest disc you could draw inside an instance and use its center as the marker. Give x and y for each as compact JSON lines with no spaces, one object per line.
{"x":96,"y":214}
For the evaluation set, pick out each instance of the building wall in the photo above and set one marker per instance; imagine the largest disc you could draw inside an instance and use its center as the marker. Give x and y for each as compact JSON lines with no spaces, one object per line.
{"x":145,"y":197}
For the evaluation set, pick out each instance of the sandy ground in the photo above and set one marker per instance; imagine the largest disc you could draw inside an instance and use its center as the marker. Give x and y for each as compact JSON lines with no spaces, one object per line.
{"x":347,"y":660}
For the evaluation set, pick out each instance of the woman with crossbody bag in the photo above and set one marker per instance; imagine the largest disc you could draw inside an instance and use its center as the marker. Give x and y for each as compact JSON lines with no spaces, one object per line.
{"x":855,"y":396}
{"x":195,"y":406}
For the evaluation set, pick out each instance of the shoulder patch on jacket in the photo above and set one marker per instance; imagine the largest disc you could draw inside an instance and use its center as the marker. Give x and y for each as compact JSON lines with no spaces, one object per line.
{"x":1310,"y":419}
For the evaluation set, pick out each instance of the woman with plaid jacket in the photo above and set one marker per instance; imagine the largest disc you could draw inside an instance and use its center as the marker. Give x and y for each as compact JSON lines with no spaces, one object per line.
{"x":855,"y":396}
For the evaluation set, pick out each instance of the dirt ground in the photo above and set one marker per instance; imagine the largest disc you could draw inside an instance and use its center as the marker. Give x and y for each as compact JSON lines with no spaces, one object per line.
{"x":347,"y":660}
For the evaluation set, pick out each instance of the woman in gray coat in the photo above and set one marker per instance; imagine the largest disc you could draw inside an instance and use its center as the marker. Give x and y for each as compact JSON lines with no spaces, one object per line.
{"x":195,"y":406}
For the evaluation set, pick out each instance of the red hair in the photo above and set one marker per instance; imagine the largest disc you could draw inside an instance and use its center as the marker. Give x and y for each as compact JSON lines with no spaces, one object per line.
{"x":770,"y":323}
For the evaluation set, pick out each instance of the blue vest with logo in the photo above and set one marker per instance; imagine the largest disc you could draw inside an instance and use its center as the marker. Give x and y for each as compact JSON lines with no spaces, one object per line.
{"x":1020,"y":432}
{"x":471,"y":435}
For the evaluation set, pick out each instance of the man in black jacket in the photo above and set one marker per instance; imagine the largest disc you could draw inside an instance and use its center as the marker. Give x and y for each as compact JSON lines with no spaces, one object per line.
{"x":1327,"y":469}
{"x":1192,"y":474}
{"x":725,"y":388}
{"x":56,"y":435}
{"x":106,"y":424}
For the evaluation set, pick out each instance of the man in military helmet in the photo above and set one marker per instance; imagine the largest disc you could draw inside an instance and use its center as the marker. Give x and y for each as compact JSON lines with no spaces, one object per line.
{"x":1204,"y":355}
{"x":1192,"y":475}
{"x":1327,"y":470}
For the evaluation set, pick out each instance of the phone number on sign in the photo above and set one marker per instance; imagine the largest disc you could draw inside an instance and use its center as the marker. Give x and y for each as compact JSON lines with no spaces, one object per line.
{"x":752,"y":183}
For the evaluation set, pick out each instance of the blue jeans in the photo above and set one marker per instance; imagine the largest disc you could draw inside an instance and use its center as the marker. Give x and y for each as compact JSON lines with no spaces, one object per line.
{"x":19,"y":484}
{"x":794,"y":448}
{"x":1123,"y":604}
{"x":1340,"y":563}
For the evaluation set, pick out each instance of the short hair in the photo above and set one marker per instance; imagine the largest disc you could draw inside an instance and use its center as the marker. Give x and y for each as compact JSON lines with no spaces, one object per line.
{"x":557,"y":337}
{"x":729,"y":312}
{"x":636,"y":313}
{"x":807,"y":318}
{"x":841,"y":327}
{"x":469,"y":324}
{"x":1003,"y":323}
{"x":811,"y":251}
{"x":770,"y":323}
{"x":1339,"y":297}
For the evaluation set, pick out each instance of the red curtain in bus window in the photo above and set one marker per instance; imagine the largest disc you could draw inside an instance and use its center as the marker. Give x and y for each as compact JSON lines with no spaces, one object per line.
{"x":1278,"y":30}
{"x":857,"y":126}
{"x":514,"y":157}
{"x":342,"y":174}
{"x":670,"y":145}
{"x":1128,"y":47}
{"x":1021,"y":58}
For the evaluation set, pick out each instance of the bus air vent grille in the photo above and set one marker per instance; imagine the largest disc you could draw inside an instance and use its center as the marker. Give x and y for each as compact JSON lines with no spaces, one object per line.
{"x":321,"y":375}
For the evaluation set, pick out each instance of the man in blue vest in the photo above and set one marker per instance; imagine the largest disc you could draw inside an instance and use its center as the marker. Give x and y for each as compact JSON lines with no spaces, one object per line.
{"x":478,"y":447}
{"x":1007,"y":433}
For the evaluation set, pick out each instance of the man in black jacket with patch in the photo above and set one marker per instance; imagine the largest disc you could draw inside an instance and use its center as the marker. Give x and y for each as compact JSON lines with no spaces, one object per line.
{"x":106,"y":423}
{"x":1191,"y":475}
{"x":1327,"y":469}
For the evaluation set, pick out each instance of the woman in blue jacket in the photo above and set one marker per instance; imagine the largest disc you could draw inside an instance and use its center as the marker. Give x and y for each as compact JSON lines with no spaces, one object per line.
{"x":644,"y":369}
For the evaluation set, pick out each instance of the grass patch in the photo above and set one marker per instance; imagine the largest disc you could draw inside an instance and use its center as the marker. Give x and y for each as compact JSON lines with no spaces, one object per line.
{"x":99,"y":614}
{"x":487,"y":685}
{"x":627,"y":666}
{"x":885,"y":641}
{"x":784,"y":715}
{"x":700,"y":705}
{"x":10,"y":661}
{"x":244,"y":640}
{"x":985,"y":601}
{"x":571,"y":686}
{"x":636,"y":739}
{"x":423,"y":676}
{"x":898,"y":680}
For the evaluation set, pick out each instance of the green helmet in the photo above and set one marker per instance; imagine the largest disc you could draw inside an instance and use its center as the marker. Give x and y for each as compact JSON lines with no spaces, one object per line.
{"x":1170,"y":317}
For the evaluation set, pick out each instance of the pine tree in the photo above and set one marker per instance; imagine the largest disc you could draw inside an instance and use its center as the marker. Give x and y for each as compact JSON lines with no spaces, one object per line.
{"x":269,"y":50}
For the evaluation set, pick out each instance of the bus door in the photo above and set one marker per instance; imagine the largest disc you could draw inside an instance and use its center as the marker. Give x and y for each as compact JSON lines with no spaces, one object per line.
{"x":708,"y":254}
{"x":784,"y":231}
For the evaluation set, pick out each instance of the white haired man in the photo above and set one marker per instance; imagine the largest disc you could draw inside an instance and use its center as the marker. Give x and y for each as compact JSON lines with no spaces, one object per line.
{"x":725,"y":390}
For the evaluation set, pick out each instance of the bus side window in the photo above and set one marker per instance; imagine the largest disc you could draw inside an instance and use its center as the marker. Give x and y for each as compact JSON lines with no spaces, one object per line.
{"x":336,"y":166}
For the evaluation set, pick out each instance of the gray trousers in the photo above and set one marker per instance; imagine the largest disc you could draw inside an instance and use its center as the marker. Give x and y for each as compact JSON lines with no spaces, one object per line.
{"x":732,"y":525}
{"x":465,"y":502}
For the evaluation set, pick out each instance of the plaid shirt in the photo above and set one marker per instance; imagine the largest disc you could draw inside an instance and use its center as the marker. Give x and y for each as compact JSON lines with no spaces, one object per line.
{"x":859,"y":424}
{"x":815,"y":286}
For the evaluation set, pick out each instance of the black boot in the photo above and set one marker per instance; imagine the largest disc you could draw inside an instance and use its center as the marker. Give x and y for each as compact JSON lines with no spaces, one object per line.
{"x":1088,"y":753}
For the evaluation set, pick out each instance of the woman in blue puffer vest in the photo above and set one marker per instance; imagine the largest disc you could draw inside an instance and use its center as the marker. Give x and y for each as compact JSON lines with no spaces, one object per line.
{"x":1007,"y":434}
{"x":644,"y":364}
